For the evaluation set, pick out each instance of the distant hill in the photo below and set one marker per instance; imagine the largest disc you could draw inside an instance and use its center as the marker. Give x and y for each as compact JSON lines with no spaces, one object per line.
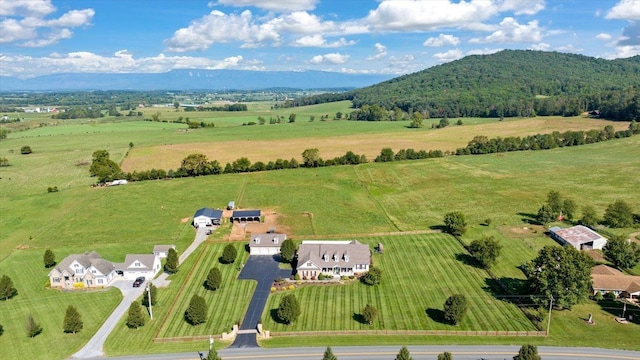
{"x":507,"y":83}
{"x":191,"y":79}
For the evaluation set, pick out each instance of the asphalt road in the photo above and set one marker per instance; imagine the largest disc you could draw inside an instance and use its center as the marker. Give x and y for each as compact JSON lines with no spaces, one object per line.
{"x":389,"y":353}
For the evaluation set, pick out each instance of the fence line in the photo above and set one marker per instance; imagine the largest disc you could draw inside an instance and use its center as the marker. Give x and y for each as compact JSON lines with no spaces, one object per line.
{"x":410,"y":332}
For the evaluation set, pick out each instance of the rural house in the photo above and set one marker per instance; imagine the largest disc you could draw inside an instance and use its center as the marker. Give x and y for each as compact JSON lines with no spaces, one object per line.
{"x":136,"y":265}
{"x":162,"y":251}
{"x":266,"y":244}
{"x":580,"y":237}
{"x":207,"y":217}
{"x":245,"y":215}
{"x":86,"y":270}
{"x":606,"y":279}
{"x":340,"y":258}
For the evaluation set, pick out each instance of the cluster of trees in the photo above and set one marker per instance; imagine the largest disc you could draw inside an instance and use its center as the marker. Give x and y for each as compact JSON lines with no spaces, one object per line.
{"x":4,"y":162}
{"x":122,"y":98}
{"x":80,"y":112}
{"x":485,"y":251}
{"x":387,"y":155}
{"x":556,"y":208}
{"x":135,"y":314}
{"x":4,"y":133}
{"x":483,"y":145}
{"x":226,"y":107}
{"x":511,"y":83}
{"x":404,"y":354}
{"x":624,"y":254}
{"x":618,"y":214}
{"x":103,"y":167}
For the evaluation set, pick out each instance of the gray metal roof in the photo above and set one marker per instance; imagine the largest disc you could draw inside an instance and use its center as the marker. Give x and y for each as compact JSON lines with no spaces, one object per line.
{"x":246,"y":213}
{"x":211,"y":213}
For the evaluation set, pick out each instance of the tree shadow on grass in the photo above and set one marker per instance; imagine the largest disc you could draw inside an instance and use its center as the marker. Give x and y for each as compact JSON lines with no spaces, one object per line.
{"x":529,"y":218}
{"x":506,"y":288}
{"x":615,"y":308}
{"x":359,"y":318}
{"x":468,"y":260}
{"x":436,"y":315}
{"x":438,"y":227}
{"x":274,"y":316}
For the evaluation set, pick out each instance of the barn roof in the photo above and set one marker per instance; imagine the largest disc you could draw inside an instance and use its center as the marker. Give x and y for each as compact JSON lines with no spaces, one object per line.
{"x":577,"y":235}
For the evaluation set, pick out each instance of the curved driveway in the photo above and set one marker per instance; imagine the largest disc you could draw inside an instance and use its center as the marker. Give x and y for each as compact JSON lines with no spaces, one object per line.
{"x":265,"y":270}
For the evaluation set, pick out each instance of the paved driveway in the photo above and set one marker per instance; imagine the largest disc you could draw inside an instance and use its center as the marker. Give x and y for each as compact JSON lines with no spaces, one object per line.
{"x":94,"y":347}
{"x":265,"y":270}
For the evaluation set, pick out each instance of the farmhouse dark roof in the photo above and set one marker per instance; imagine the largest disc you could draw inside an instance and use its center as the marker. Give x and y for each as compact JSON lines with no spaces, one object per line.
{"x":210,"y":213}
{"x":246,"y":213}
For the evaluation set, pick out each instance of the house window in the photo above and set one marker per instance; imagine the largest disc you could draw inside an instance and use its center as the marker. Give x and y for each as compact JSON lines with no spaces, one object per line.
{"x":56,"y":279}
{"x":99,"y":281}
{"x":78,"y":271}
{"x":89,"y":282}
{"x":137,"y":264}
{"x":346,"y":258}
{"x":93,"y":271}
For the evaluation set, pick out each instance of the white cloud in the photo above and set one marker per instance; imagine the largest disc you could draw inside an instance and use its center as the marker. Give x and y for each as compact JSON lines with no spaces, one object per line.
{"x":26,"y":22}
{"x":428,"y":15}
{"x":450,"y":55}
{"x":273,"y":5}
{"x":484,"y":51}
{"x":630,"y":34}
{"x":441,"y":40}
{"x":523,"y":7}
{"x":603,"y":36}
{"x":623,"y":52}
{"x":511,"y":31}
{"x":26,"y":8}
{"x":379,"y":52}
{"x":121,"y":61}
{"x":569,"y":49}
{"x":319,"y":41}
{"x":626,"y":10}
{"x":540,"y":47}
{"x":333,"y":58}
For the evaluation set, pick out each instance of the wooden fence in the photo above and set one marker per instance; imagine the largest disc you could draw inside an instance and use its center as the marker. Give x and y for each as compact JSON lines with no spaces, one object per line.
{"x":411,"y":332}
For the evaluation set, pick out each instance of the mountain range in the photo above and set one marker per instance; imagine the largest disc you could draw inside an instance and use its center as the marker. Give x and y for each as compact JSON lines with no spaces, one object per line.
{"x":191,"y":79}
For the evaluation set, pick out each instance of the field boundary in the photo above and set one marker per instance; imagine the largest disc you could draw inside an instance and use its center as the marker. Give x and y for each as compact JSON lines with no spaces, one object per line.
{"x":390,"y":233}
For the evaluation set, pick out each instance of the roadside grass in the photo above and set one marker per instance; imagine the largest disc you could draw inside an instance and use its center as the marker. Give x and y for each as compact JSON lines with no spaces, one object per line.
{"x":419,"y":273}
{"x":26,"y":269}
{"x":225,"y":306}
{"x":568,"y":328}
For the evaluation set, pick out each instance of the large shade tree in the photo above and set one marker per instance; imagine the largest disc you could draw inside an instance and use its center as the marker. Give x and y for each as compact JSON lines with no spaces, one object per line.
{"x":486,"y":251}
{"x":455,"y":223}
{"x":618,"y":215}
{"x":622,"y":253}
{"x":289,"y":309}
{"x":561,"y":272}
{"x":455,"y":308}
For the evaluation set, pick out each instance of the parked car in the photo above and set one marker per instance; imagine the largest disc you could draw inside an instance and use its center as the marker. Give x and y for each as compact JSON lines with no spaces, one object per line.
{"x":138,"y":281}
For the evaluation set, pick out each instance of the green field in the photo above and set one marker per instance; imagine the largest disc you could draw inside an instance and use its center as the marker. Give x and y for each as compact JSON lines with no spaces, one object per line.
{"x":336,"y":202}
{"x":420,"y":272}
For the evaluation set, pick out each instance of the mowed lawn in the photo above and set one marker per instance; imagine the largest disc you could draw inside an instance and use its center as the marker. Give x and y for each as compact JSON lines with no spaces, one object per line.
{"x":419,"y":273}
{"x":225,"y":306}
{"x":48,"y":307}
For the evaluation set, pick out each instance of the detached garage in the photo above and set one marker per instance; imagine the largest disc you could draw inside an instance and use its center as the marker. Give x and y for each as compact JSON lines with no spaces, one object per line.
{"x":245,"y":216}
{"x":266,"y":244}
{"x":136,"y":265}
{"x":207,"y":217}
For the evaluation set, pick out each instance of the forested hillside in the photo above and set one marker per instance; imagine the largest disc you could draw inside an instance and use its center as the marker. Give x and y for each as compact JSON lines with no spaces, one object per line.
{"x":509,"y":83}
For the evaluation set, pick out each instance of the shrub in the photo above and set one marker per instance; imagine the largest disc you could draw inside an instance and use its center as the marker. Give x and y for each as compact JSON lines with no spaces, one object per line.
{"x":598,"y":296}
{"x":289,"y":309}
{"x":229,"y":254}
{"x":455,"y":223}
{"x":455,"y":308}
{"x":292,"y":287}
{"x":611,"y":296}
{"x":33,"y":328}
{"x":296,"y":276}
{"x":273,"y":289}
{"x":369,"y":314}
{"x":25,"y":150}
{"x":373,"y":276}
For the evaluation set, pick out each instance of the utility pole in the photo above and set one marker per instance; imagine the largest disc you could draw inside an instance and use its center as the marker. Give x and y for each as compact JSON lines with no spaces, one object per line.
{"x":149,"y":298}
{"x":549,"y":320}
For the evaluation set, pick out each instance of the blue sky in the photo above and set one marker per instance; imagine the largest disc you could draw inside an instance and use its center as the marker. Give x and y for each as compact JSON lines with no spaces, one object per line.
{"x":39,"y":37}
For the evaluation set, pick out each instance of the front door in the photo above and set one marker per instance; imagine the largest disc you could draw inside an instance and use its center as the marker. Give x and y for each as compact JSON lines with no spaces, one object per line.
{"x":336,"y":270}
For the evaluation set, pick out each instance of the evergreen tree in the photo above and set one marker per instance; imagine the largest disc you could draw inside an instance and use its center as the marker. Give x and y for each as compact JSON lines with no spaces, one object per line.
{"x":455,"y":308}
{"x":545,"y":214}
{"x":7,"y":291}
{"x":287,"y":251}
{"x":213,"y":355}
{"x":214,"y":279}
{"x":528,"y":352}
{"x":404,"y":354}
{"x":72,"y":320}
{"x":328,"y":354}
{"x":154,"y":296}
{"x":49,"y":258}
{"x":289,"y":309}
{"x":32,"y":327}
{"x":1,"y":330}
{"x":445,"y":356}
{"x":369,"y":314}
{"x":135,"y":318}
{"x":171,"y":266}
{"x":455,"y":223}
{"x":229,"y":254}
{"x":197,"y":312}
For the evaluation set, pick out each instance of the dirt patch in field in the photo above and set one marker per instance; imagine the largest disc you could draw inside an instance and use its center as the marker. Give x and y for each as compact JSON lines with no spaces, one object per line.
{"x":240,"y":231}
{"x":522,"y":231}
{"x":185,"y":220}
{"x":450,"y":138}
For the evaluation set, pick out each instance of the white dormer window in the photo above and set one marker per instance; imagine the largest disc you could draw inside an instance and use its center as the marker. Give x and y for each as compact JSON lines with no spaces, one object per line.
{"x":137,"y":264}
{"x":335,"y":257}
{"x":325,"y":257}
{"x":76,"y":265}
{"x":275,"y":240}
{"x":346,"y":257}
{"x":257,"y":239}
